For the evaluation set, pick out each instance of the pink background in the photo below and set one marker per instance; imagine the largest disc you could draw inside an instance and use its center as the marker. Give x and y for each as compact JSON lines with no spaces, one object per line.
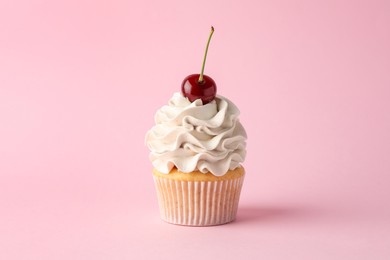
{"x":80,"y":82}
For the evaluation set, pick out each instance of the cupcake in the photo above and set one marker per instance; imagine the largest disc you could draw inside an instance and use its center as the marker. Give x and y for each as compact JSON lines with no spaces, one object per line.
{"x":196,"y":148}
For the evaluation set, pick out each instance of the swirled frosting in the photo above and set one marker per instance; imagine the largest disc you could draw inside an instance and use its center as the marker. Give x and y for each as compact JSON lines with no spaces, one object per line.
{"x":193,"y":136}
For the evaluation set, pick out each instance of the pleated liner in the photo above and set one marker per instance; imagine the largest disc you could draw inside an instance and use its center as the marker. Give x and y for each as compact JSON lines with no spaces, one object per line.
{"x":198,"y":203}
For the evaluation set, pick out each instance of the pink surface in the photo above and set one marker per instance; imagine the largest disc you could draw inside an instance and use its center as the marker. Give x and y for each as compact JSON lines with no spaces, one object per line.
{"x":80,"y":82}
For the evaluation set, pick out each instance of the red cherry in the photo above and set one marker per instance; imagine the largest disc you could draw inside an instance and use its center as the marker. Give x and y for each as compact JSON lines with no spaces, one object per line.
{"x":200,"y":86}
{"x":193,"y":89}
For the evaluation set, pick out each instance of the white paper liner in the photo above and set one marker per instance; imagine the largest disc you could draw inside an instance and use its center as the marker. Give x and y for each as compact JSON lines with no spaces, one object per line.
{"x":198,"y":203}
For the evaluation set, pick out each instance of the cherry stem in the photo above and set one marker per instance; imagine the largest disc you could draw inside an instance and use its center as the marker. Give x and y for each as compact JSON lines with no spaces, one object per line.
{"x":200,"y":80}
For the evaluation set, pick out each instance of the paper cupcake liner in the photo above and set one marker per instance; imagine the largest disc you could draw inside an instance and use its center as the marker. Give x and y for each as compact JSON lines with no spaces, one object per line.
{"x":198,"y":203}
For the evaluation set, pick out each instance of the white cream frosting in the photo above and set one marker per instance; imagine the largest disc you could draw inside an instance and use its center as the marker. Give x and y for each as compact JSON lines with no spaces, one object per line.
{"x":193,"y":136}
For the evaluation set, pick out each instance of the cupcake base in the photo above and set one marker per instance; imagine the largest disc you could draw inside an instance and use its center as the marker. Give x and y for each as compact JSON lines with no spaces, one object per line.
{"x":198,"y":199}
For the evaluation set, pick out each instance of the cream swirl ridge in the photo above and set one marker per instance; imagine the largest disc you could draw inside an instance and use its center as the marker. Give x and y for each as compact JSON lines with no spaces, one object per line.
{"x":193,"y":136}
